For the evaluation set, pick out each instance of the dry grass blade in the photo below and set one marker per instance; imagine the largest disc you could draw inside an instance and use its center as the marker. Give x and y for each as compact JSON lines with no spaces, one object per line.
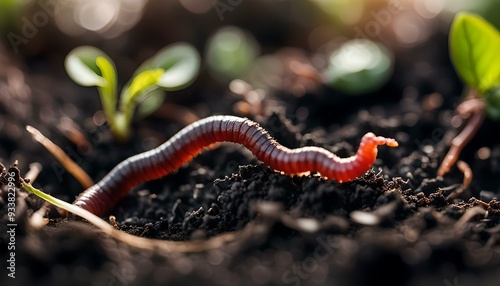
{"x":34,"y":171}
{"x":466,"y":170}
{"x":468,"y":215}
{"x":64,"y":159}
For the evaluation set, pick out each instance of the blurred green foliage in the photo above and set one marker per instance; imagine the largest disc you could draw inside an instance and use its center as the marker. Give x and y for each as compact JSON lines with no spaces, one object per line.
{"x":230,"y":53}
{"x":358,"y":67}
{"x":10,"y":14}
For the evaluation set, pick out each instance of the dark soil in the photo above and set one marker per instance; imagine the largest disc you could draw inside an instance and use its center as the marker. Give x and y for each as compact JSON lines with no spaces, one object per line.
{"x":410,"y":233}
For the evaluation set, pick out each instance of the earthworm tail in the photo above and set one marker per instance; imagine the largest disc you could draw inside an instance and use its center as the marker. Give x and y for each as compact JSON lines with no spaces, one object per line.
{"x":190,"y":141}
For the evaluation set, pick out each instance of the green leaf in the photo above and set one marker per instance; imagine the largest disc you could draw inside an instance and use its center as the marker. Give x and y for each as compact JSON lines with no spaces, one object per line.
{"x":89,"y":66}
{"x":474,"y":48}
{"x":108,"y":89}
{"x":180,"y":62}
{"x":108,"y":73}
{"x":151,"y":102}
{"x":81,"y":66}
{"x":142,"y":83}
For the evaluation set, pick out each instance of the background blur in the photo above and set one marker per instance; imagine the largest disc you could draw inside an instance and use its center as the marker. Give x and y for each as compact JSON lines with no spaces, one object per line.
{"x":131,"y":30}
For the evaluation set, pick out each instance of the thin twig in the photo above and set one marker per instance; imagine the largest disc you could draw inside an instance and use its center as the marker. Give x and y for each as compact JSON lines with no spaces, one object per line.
{"x":459,"y":190}
{"x":468,"y":215}
{"x":466,"y":170}
{"x":470,"y":106}
{"x":64,"y":159}
{"x":459,"y":142}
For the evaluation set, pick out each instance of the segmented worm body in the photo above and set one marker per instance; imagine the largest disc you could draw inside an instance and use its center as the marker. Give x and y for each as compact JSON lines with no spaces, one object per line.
{"x":190,"y":141}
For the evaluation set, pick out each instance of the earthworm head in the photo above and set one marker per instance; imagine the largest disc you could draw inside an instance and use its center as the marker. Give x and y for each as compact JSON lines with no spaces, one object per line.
{"x":372,"y":139}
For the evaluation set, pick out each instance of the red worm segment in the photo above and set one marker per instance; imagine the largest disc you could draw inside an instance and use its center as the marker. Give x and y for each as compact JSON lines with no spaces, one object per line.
{"x":190,"y":141}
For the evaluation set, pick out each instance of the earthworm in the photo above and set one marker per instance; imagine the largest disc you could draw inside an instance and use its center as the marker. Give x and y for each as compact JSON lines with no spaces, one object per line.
{"x":191,"y":140}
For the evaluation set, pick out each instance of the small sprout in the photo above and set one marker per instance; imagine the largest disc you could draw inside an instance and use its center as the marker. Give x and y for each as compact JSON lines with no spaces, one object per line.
{"x":474,"y":45}
{"x":230,"y":52}
{"x":358,"y":67}
{"x":172,"y":68}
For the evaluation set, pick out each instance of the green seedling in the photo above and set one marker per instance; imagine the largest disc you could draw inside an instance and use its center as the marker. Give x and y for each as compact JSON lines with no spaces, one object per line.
{"x":358,"y":67}
{"x":171,"y":69}
{"x":474,"y":50}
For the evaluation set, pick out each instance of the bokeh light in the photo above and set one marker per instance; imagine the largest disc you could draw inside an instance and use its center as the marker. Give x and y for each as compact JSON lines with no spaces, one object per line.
{"x":429,"y":8}
{"x":230,"y":52}
{"x":105,"y":18}
{"x":359,"y":61}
